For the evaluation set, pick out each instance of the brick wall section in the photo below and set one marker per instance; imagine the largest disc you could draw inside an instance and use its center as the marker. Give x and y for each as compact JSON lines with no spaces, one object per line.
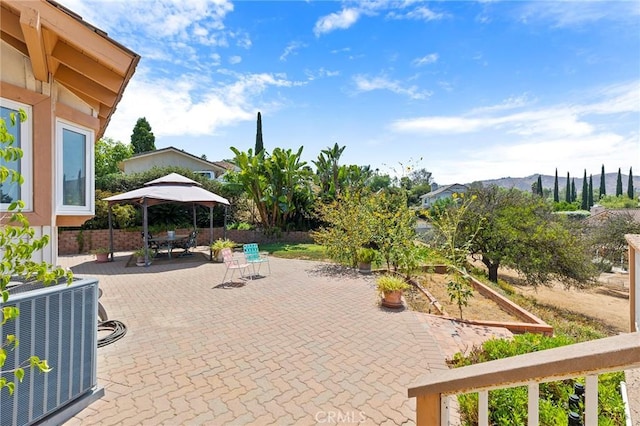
{"x":74,"y":242}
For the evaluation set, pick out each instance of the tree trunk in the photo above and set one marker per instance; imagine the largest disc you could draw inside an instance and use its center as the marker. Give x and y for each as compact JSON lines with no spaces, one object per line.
{"x":492,"y":268}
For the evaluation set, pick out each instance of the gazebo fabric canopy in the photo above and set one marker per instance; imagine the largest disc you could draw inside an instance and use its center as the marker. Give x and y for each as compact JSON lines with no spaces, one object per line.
{"x":172,"y":188}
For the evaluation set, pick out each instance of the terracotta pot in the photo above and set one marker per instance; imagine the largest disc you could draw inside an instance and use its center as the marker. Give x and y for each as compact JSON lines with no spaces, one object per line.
{"x":102,"y":257}
{"x":392,"y":299}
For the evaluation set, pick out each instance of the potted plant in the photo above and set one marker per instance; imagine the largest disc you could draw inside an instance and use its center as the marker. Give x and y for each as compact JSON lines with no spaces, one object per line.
{"x":365,"y":257}
{"x":140,"y":253}
{"x":102,"y":254}
{"x":217,"y":247}
{"x":391,"y":288}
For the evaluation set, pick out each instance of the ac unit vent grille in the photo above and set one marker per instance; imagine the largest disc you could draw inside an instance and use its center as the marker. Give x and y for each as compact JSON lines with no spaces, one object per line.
{"x":58,"y":324}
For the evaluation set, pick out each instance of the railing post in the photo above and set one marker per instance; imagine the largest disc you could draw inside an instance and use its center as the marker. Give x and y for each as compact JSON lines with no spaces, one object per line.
{"x":428,"y":410}
{"x":483,"y":408}
{"x":533,"y":397}
{"x":591,"y":401}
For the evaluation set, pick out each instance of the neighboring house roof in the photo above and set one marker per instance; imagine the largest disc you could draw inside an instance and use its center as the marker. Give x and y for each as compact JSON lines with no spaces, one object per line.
{"x":73,"y":51}
{"x":226,"y":165}
{"x":219,"y":166}
{"x":601,"y":216}
{"x":453,"y":187}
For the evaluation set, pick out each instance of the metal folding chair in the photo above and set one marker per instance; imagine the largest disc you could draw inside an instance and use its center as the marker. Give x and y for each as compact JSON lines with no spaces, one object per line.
{"x":253,"y":256}
{"x":233,"y":264}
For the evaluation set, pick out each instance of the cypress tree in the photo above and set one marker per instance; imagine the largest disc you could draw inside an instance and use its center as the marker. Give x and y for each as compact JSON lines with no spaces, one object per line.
{"x":539,"y":188}
{"x":574,"y":196}
{"x":590,"y":191}
{"x":259,"y":144}
{"x":603,"y":187}
{"x":556,"y":198}
{"x":585,"y":189}
{"x":630,"y":193}
{"x":567,"y":195}
{"x":619,"y":184}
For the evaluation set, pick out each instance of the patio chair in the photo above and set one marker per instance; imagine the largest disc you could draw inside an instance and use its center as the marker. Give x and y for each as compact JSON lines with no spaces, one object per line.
{"x":189,"y":243}
{"x":152,"y":245}
{"x":253,"y":256}
{"x":233,"y":264}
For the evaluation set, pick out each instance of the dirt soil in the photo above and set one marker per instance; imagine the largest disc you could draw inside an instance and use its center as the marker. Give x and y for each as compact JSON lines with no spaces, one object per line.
{"x":607,"y":302}
{"x":478,"y":308}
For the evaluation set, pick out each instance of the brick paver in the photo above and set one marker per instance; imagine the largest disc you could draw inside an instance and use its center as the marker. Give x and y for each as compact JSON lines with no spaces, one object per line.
{"x":303,"y":345}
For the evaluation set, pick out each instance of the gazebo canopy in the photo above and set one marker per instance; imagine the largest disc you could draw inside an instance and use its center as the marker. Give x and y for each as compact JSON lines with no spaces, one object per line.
{"x":172,"y":188}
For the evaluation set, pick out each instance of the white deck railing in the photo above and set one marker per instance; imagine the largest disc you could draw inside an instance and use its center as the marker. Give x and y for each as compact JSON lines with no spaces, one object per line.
{"x":583,"y":359}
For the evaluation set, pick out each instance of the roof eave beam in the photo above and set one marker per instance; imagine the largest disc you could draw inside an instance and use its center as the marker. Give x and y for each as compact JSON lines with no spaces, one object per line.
{"x":32,"y":30}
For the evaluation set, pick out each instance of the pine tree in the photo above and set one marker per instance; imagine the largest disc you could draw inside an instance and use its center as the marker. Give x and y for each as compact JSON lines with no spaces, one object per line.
{"x":567,"y":195}
{"x":619,"y":184}
{"x":539,"y":186}
{"x":585,"y":194}
{"x":556,"y":197}
{"x":142,"y":138}
{"x":603,"y":188}
{"x":630,"y":192}
{"x":590,"y":191}
{"x":259,"y":144}
{"x":574,"y":196}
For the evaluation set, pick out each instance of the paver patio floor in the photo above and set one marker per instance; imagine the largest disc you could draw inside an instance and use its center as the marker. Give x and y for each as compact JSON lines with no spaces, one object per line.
{"x":307,"y":344}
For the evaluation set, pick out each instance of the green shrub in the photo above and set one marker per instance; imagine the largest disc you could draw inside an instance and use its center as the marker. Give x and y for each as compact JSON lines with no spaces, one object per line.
{"x":509,"y":406}
{"x":390,"y":282}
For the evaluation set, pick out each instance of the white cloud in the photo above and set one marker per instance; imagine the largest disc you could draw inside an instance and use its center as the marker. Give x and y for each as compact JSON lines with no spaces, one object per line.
{"x":321,"y":73}
{"x":291,"y":49}
{"x":235,"y":60}
{"x":425,"y":60}
{"x":518,"y":137}
{"x":366,"y":84}
{"x":336,"y":21}
{"x":397,"y":10}
{"x":180,"y":107}
{"x":572,"y":14}
{"x":420,"y":13}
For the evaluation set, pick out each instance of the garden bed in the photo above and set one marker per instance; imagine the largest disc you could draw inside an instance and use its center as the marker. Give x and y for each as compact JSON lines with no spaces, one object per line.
{"x":485,"y":307}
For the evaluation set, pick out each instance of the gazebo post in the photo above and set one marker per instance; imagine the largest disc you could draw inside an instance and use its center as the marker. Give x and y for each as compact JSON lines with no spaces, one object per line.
{"x":224,"y":226}
{"x":145,"y":229}
{"x":210,"y":231}
{"x":110,"y":234}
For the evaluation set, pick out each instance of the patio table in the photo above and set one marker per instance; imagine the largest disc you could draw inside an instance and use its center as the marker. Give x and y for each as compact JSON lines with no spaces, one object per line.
{"x":169,"y":241}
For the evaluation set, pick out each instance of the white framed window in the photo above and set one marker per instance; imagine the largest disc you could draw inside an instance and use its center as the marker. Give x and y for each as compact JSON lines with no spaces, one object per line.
{"x":74,"y":169}
{"x":22,"y":138}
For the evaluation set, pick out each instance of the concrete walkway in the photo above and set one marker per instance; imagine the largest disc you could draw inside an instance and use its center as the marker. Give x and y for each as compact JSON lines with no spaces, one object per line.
{"x":307,"y":344}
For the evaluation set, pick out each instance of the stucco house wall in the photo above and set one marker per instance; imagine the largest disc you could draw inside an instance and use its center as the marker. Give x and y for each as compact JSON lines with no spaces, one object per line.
{"x":68,"y":77}
{"x":169,"y":157}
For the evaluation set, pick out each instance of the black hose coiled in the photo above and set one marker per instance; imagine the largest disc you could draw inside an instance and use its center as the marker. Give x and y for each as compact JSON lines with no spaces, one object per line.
{"x":117,"y":328}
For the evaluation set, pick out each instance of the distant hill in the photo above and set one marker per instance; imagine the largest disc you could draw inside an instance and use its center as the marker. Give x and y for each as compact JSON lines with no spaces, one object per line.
{"x":524,"y":183}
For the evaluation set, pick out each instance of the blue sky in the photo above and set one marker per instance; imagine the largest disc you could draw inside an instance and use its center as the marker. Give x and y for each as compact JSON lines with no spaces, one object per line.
{"x":467,"y":90}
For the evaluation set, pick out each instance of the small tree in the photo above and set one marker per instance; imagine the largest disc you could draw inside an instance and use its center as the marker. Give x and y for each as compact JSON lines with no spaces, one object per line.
{"x":590,"y":191}
{"x":142,"y":138}
{"x":619,"y":184}
{"x":556,"y":196}
{"x":603,"y":186}
{"x":108,"y":154}
{"x":585,"y":192}
{"x":259,"y":145}
{"x":630,"y":190}
{"x":567,"y":195}
{"x":18,"y":243}
{"x":456,"y":233}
